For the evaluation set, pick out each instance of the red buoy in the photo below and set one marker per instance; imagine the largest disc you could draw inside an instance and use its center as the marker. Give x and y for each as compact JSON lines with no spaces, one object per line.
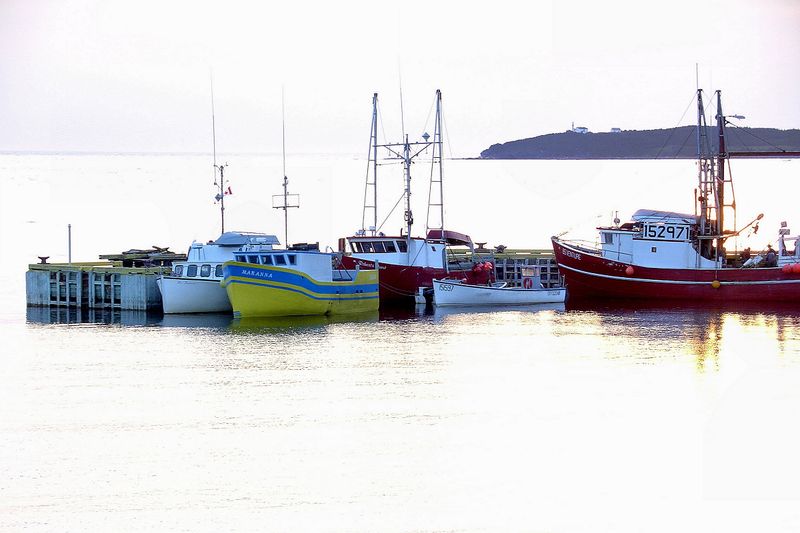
{"x":629,"y":271}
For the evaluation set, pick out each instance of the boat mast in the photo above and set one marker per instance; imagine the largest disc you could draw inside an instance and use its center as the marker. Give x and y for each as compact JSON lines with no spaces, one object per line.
{"x":703,"y":166}
{"x":436,"y":197}
{"x":372,"y":161}
{"x":408,"y":216}
{"x":712,"y":178}
{"x":285,"y":205}
{"x":722,"y":154}
{"x":220,"y":196}
{"x":405,"y":151}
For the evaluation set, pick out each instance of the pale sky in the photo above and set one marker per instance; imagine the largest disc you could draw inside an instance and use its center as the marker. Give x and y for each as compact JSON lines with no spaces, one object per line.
{"x":134,"y":76}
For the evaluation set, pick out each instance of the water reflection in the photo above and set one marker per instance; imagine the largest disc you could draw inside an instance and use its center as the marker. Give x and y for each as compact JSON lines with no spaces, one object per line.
{"x":219,"y":321}
{"x":441,"y":313}
{"x":708,"y":335}
{"x":72,"y":315}
{"x":201,"y":320}
{"x":705,"y":330}
{"x":297,"y":323}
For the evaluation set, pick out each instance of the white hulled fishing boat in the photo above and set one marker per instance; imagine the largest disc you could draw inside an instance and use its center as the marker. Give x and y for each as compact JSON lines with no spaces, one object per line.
{"x":456,"y":292}
{"x":193,"y":286}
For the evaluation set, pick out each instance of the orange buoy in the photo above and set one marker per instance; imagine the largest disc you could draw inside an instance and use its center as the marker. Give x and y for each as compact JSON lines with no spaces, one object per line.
{"x":715,"y":284}
{"x":795,"y":268}
{"x":629,"y":271}
{"x":787,"y":269}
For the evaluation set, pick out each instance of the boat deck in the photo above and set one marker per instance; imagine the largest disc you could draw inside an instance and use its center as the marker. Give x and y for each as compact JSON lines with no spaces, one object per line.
{"x":509,"y":262}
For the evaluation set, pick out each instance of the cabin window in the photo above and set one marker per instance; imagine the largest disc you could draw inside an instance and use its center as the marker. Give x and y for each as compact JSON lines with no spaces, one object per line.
{"x":292,"y":259}
{"x":239,"y":258}
{"x":178,"y":270}
{"x":390,"y":247}
{"x":367,"y":247}
{"x":608,"y":238}
{"x":355,"y":247}
{"x":205,"y":271}
{"x":653,"y":249}
{"x":378,"y":247}
{"x":191,"y":271}
{"x":252,"y":259}
{"x":280,"y":259}
{"x":218,"y":271}
{"x":401,"y":245}
{"x":266,"y":260}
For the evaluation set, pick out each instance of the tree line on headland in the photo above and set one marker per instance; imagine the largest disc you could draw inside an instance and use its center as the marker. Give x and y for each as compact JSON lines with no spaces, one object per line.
{"x":672,"y":143}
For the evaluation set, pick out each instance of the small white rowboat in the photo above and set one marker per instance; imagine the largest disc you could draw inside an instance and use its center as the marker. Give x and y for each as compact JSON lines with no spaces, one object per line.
{"x":454,"y":292}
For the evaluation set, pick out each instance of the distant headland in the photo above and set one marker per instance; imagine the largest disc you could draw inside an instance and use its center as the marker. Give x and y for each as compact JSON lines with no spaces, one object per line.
{"x":673,"y":143}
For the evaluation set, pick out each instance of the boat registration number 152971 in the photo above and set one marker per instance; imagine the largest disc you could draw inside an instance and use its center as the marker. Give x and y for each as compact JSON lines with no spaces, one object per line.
{"x":666,"y":232}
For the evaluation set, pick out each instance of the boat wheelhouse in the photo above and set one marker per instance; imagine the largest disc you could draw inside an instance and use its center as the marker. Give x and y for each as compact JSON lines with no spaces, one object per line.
{"x":658,"y":239}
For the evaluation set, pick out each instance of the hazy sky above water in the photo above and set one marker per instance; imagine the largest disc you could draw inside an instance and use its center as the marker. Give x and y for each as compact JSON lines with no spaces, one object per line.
{"x":134,"y":76}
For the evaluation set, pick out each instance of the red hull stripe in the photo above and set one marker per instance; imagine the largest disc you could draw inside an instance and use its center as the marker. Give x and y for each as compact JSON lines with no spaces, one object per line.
{"x":677,"y":282}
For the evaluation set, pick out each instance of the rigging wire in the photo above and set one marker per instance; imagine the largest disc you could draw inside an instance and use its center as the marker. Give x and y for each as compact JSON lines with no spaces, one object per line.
{"x":380,"y":121}
{"x":391,"y":211}
{"x":428,"y":118}
{"x":402,"y":115}
{"x":669,"y":137}
{"x":447,"y":136}
{"x":749,"y":131}
{"x":213,"y":129}
{"x":686,"y":140}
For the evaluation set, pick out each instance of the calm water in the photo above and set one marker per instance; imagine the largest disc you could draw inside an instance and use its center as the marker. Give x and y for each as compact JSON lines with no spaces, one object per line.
{"x":608,"y":418}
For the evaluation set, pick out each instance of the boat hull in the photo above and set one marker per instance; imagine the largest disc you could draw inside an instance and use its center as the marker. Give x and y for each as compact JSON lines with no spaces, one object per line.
{"x":180,"y":295}
{"x":589,"y":276}
{"x":268,"y":291}
{"x":400,"y":284}
{"x":449,"y":293}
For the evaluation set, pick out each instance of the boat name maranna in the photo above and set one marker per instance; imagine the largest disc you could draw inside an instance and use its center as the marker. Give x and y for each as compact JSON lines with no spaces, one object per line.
{"x":257,"y":274}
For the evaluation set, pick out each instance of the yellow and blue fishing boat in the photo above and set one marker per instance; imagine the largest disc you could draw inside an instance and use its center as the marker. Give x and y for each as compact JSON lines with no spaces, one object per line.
{"x":296,"y":281}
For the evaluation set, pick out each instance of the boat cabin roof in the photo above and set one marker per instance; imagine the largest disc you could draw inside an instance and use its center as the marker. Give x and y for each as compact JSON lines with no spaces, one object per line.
{"x":668,"y":217}
{"x":451,"y":237}
{"x":240,"y":238}
{"x":377,"y":237}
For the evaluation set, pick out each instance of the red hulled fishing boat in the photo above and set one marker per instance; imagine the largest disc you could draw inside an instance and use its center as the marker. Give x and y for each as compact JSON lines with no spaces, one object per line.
{"x":662,"y":255}
{"x":408,"y":264}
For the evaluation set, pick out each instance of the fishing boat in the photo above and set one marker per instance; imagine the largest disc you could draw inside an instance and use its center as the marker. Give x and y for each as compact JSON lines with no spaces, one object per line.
{"x":451,"y":292}
{"x":409,"y":264}
{"x":193,"y":286}
{"x":665,"y":255}
{"x":298,"y":281}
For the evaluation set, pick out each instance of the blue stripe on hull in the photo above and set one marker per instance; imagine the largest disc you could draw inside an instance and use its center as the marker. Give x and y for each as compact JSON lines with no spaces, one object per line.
{"x":272,"y":275}
{"x":333,"y":297}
